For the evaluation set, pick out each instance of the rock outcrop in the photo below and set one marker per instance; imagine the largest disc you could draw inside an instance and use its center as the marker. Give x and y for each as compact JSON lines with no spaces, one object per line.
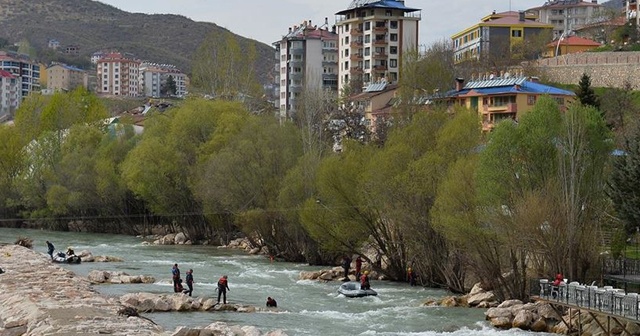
{"x":41,"y":298}
{"x":113,"y":277}
{"x":149,"y":302}
{"x":335,"y":274}
{"x":87,"y":256}
{"x":221,"y":328}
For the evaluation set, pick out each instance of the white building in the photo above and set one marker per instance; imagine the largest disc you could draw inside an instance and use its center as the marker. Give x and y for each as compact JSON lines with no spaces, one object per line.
{"x":373,"y":36}
{"x":307,"y":58}
{"x":567,"y":15}
{"x":153,"y":77}
{"x":10,"y":93}
{"x":26,"y":71}
{"x":117,"y":75}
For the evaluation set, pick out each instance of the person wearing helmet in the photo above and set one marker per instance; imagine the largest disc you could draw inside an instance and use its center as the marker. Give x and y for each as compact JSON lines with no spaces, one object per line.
{"x":364,"y":280}
{"x":223,"y":287}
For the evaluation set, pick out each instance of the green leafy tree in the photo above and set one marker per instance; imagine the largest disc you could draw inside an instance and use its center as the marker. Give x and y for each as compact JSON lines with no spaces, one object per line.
{"x":585,"y":92}
{"x":624,"y":183}
{"x":168,"y":87}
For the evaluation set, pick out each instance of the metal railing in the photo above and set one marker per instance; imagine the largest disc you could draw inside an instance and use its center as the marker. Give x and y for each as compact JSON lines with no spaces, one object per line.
{"x":605,"y":299}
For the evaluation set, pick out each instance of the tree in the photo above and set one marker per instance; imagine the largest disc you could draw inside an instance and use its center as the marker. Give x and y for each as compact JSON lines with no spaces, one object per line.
{"x":168,"y":88}
{"x":624,"y":182}
{"x":585,"y":92}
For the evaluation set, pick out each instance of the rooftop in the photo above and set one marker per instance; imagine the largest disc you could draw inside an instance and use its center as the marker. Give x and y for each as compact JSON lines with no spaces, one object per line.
{"x":387,"y":4}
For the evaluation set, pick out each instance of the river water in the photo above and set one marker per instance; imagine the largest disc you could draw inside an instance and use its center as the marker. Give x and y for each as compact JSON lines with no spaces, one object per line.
{"x":304,"y":307}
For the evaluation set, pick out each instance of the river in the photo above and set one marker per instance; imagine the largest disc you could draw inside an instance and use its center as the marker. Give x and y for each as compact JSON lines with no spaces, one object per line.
{"x":304,"y":307}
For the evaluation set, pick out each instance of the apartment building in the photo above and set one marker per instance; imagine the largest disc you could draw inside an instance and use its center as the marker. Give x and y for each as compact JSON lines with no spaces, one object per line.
{"x":118,"y":75}
{"x":373,"y":36}
{"x":66,"y":77}
{"x":10,"y":93}
{"x":27,"y":72}
{"x":307,"y":58}
{"x":495,"y":35}
{"x":504,"y":97}
{"x":153,"y":79}
{"x":567,"y":15}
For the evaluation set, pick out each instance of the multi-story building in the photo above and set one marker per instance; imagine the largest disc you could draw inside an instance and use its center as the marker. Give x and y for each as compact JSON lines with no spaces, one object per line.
{"x":117,"y":75}
{"x":499,"y":98}
{"x":66,"y":77}
{"x":10,"y":96}
{"x":307,"y":58}
{"x":495,"y":35}
{"x":373,"y":36}
{"x":153,"y":77}
{"x":26,"y":71}
{"x":567,"y":15}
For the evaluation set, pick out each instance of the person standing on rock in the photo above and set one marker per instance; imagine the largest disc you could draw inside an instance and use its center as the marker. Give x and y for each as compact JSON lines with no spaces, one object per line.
{"x":50,"y":249}
{"x":175,"y":273}
{"x":346,"y":264}
{"x":223,"y":287}
{"x":358,"y":267}
{"x":189,"y":280}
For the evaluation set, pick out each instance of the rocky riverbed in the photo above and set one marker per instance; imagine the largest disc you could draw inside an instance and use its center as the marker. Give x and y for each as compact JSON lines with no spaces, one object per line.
{"x":38,"y":297}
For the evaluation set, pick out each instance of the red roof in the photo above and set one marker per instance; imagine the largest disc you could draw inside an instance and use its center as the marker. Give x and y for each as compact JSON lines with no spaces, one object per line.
{"x":6,"y":74}
{"x":575,"y":41}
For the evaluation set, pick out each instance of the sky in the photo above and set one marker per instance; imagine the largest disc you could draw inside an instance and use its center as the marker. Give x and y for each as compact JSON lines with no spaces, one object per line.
{"x":267,"y":20}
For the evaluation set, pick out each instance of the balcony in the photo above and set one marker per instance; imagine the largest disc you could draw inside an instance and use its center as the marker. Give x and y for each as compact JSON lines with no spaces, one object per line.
{"x":356,"y":57}
{"x":356,"y":69}
{"x":380,"y":68}
{"x":380,"y":55}
{"x":355,"y":44}
{"x":506,"y":108}
{"x":381,"y":29}
{"x":356,"y":31}
{"x":379,"y":42}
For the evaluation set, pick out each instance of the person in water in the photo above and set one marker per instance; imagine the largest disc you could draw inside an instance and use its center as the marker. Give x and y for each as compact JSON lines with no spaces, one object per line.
{"x":189,"y":280}
{"x":50,"y":249}
{"x":412,"y":276}
{"x":175,"y":274}
{"x":271,"y":302}
{"x":223,"y":287}
{"x":70,"y":252}
{"x":364,"y":280}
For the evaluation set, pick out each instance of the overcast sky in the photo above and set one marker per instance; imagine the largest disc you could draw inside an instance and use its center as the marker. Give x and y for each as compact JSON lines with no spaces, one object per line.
{"x":267,"y":20}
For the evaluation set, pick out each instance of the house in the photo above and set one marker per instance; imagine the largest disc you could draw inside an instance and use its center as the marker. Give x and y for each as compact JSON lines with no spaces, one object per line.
{"x":26,"y":71}
{"x":374,"y":36}
{"x":307,"y":58}
{"x":10,"y":94}
{"x":374,"y":102}
{"x":496,"y":35}
{"x":567,"y":15}
{"x":153,"y":77}
{"x":117,"y":75}
{"x":499,"y":98}
{"x":66,"y":77}
{"x":569,"y":45}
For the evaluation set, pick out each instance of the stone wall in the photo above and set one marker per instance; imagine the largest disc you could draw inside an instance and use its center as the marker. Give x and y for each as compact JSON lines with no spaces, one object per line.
{"x":606,"y":69}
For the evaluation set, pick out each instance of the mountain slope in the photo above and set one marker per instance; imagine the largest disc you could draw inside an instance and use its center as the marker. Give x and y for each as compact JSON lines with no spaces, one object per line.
{"x":95,"y":26}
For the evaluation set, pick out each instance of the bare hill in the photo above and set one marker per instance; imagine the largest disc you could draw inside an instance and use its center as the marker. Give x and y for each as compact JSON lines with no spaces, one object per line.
{"x":95,"y":26}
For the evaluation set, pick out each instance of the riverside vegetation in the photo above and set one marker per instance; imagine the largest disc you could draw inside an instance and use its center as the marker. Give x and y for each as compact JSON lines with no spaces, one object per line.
{"x":528,"y":200}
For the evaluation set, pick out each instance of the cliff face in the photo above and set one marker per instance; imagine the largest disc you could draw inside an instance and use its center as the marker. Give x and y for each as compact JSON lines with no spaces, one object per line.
{"x":93,"y":26}
{"x":41,"y":298}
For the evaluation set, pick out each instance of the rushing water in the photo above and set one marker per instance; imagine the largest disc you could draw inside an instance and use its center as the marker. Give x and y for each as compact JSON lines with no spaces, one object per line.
{"x":304,"y":307}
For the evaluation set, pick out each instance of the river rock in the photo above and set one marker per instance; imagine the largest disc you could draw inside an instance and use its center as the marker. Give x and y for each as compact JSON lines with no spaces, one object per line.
{"x":509,"y":303}
{"x":327,"y":276}
{"x":476,"y":299}
{"x":180,"y":238}
{"x":97,"y":276}
{"x":38,"y":297}
{"x":221,"y":328}
{"x":309,"y":275}
{"x":180,"y":302}
{"x":523,"y":320}
{"x":539,"y":325}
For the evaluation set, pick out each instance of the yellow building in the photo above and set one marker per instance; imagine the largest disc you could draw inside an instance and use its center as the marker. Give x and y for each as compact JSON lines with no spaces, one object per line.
{"x":374,"y":102}
{"x":498,"y":98}
{"x":66,"y":77}
{"x":495,"y":35}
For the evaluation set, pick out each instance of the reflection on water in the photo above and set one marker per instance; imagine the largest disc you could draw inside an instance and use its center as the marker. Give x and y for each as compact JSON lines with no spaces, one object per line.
{"x":304,"y":307}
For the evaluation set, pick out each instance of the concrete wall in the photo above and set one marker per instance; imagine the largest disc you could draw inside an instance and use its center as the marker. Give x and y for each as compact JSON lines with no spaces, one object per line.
{"x":606,"y":69}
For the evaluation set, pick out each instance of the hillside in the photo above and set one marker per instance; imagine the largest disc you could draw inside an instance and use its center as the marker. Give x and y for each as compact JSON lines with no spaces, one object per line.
{"x":94,"y":26}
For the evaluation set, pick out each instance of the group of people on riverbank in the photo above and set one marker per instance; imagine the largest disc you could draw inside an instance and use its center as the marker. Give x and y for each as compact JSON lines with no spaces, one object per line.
{"x":223,"y":283}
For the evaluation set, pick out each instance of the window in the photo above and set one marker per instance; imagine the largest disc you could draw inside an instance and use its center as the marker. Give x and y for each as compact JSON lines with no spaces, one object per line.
{"x":516,"y":33}
{"x":531,"y":100}
{"x":559,"y":100}
{"x":105,"y":88}
{"x":393,"y":50}
{"x":393,"y":37}
{"x":346,"y":65}
{"x":105,"y":82}
{"x":393,"y":63}
{"x":387,"y":12}
{"x":346,"y":53}
{"x":346,"y":40}
{"x":367,"y":26}
{"x":367,"y":64}
{"x":367,"y":38}
{"x":393,"y":24}
{"x":367,"y":51}
{"x":116,"y":76}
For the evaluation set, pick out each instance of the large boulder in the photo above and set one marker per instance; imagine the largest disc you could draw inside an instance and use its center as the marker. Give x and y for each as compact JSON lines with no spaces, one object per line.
{"x":539,"y":325}
{"x":309,"y":275}
{"x":523,"y":320}
{"x":476,"y":299}
{"x":509,"y":303}
{"x":97,"y":276}
{"x":180,"y":238}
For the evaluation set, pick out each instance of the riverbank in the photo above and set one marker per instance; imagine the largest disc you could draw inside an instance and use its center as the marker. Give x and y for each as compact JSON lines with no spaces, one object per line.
{"x":41,"y":298}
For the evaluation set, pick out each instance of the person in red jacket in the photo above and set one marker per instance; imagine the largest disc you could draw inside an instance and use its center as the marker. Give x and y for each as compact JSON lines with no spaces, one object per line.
{"x":364,"y":280}
{"x":358,"y":267}
{"x":223,"y":287}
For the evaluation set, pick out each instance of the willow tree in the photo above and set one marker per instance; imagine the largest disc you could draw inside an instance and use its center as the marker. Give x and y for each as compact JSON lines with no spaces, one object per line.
{"x":12,"y":154}
{"x":224,"y":66}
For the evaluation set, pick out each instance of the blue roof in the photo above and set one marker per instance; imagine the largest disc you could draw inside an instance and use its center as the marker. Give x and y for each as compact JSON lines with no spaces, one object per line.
{"x":509,"y":85}
{"x":68,"y":67}
{"x":388,"y":4}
